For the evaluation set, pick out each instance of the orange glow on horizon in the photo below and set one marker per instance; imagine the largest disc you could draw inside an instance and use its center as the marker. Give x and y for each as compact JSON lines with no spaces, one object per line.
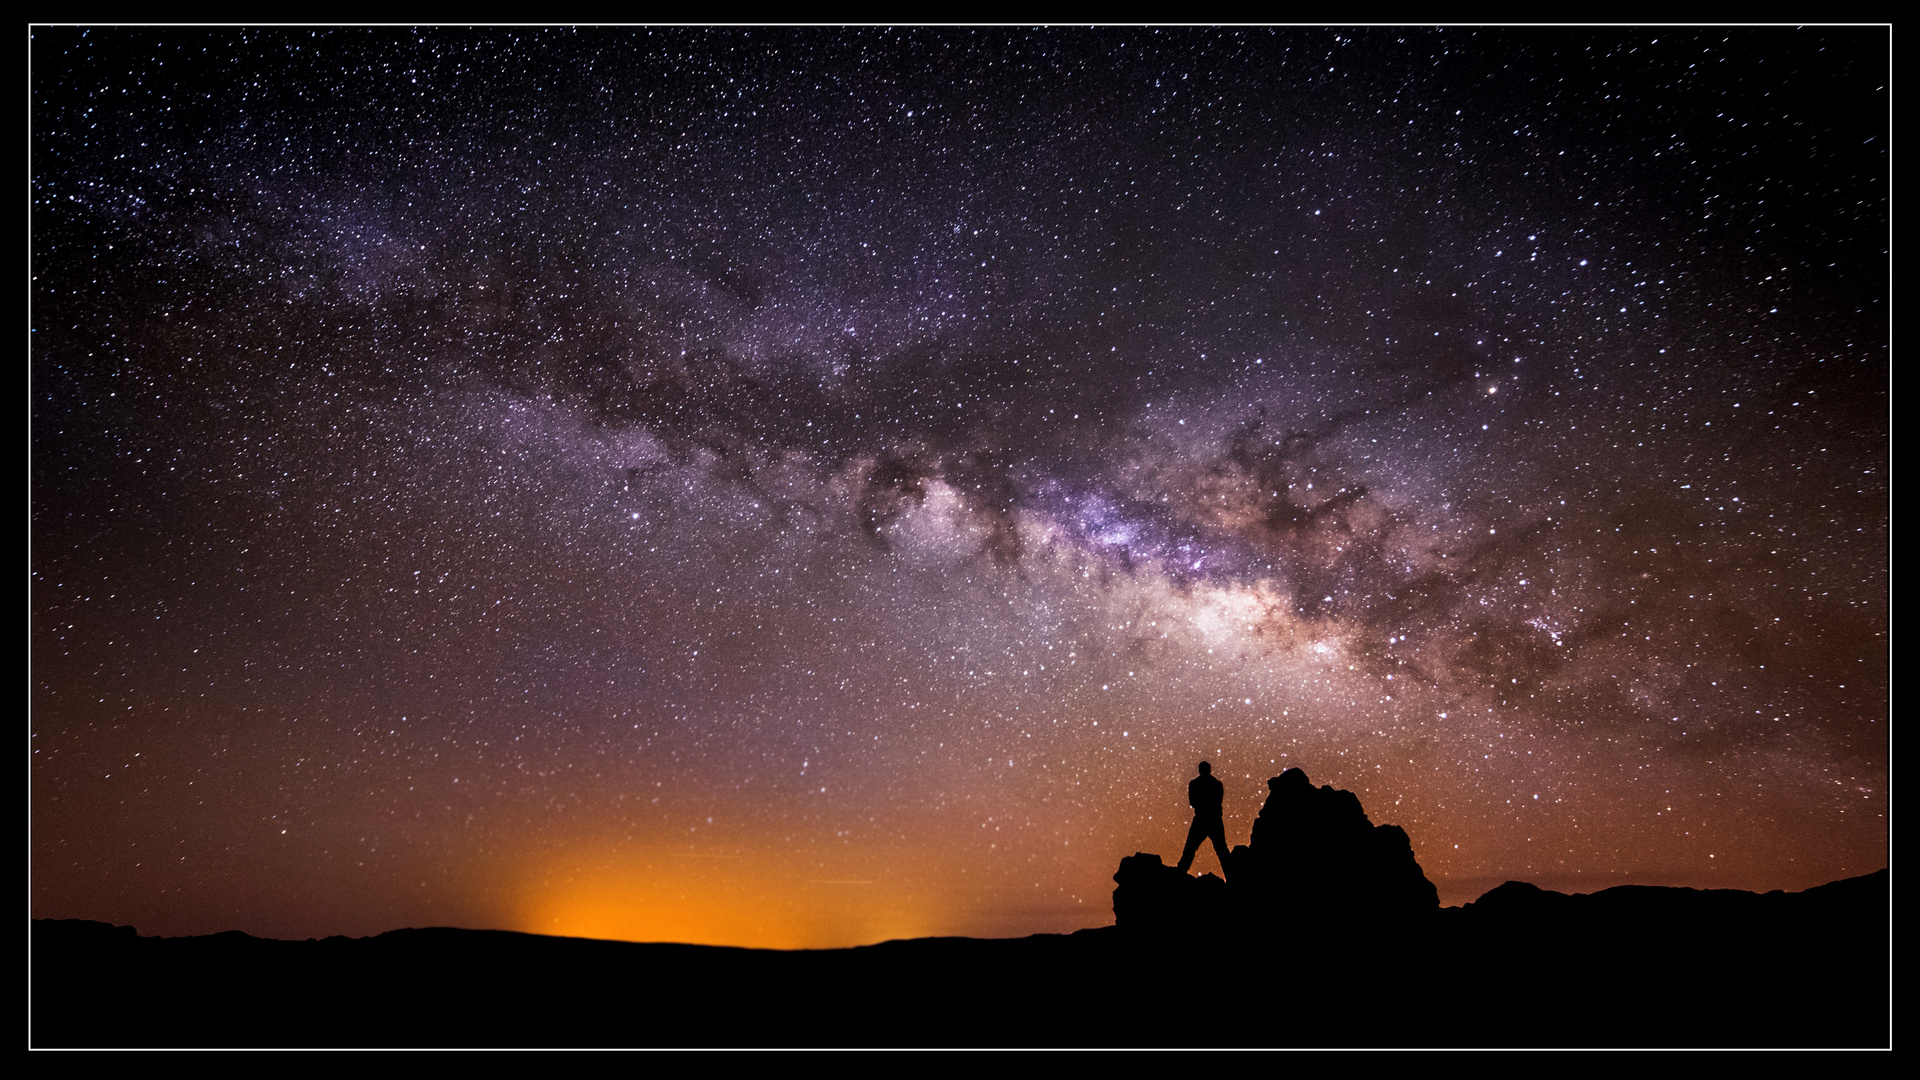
{"x":741,"y":901}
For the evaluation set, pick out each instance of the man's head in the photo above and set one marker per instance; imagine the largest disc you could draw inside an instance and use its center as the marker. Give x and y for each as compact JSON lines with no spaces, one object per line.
{"x":1205,"y":769}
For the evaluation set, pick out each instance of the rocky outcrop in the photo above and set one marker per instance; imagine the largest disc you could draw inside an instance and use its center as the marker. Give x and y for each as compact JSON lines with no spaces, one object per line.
{"x":1151,"y":893}
{"x":1315,"y":858}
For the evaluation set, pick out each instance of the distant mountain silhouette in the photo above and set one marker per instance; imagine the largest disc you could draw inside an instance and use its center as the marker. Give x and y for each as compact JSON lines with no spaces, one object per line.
{"x":1314,"y":857}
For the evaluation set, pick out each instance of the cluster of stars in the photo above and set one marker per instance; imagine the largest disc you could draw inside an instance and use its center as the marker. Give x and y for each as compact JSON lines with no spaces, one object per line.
{"x":801,"y":487}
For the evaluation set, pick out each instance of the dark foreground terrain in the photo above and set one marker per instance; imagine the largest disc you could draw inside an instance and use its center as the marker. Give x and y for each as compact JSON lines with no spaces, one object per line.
{"x":1628,"y":966}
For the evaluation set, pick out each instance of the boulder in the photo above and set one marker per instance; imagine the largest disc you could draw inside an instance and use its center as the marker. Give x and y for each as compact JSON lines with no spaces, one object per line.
{"x":1314,"y":858}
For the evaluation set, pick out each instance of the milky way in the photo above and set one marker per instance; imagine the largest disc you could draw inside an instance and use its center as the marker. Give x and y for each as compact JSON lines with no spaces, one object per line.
{"x":806,"y":487}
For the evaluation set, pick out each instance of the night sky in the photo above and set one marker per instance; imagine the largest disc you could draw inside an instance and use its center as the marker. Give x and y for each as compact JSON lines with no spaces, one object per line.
{"x":806,"y":487}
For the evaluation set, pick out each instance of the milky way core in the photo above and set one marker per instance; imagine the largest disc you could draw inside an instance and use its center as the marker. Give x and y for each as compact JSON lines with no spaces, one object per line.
{"x":806,"y":487}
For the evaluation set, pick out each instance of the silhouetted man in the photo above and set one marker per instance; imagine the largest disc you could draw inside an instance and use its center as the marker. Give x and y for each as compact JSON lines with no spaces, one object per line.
{"x":1205,"y":795}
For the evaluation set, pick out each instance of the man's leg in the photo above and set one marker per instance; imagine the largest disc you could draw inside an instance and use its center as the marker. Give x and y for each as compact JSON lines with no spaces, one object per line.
{"x":1196,"y":832}
{"x":1217,"y":832}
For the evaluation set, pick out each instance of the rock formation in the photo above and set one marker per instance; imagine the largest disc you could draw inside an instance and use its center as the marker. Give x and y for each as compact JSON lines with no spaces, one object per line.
{"x":1315,"y":858}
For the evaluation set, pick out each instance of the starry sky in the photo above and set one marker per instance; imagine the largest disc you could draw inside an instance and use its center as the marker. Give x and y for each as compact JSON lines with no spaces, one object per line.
{"x":803,"y":487}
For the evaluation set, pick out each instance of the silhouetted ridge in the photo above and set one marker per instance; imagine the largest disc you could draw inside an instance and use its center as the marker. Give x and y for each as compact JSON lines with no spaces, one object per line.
{"x":1627,"y":966}
{"x":1652,"y":909}
{"x":1314,"y":856}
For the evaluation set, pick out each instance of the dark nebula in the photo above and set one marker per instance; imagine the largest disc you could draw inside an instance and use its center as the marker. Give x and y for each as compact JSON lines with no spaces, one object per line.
{"x":805,"y":487}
